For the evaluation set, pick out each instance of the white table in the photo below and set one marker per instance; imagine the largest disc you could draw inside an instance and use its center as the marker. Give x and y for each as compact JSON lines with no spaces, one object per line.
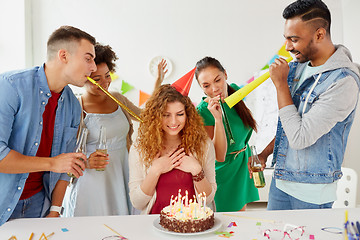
{"x":141,"y":226}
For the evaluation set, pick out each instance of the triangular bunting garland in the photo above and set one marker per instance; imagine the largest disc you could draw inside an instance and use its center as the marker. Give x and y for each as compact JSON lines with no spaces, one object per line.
{"x":273,"y":59}
{"x":143,"y":96}
{"x":125,"y":87}
{"x":113,"y":76}
{"x":250,"y":80}
{"x":265,"y":67}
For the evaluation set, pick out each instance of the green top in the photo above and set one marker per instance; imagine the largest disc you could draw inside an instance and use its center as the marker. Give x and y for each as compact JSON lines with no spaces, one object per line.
{"x":234,"y":186}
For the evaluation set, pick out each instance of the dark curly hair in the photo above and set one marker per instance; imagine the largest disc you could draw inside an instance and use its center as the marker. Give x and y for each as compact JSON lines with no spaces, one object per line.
{"x":105,"y":54}
{"x":314,"y":10}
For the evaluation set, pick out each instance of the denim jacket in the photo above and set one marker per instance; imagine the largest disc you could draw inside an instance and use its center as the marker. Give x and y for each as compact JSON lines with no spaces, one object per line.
{"x":23,"y":97}
{"x":320,"y":161}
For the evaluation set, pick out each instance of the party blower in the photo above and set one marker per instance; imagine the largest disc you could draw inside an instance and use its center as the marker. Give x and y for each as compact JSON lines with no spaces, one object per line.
{"x":113,"y":98}
{"x":244,"y":91}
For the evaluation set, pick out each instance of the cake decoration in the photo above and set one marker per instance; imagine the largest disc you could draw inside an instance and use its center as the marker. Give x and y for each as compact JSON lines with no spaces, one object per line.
{"x":186,"y":216}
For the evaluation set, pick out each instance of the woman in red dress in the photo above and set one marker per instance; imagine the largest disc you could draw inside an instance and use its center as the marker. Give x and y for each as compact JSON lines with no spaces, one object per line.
{"x":172,"y":151}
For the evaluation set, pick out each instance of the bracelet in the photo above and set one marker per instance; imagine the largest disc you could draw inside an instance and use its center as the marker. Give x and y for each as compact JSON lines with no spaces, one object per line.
{"x":200,"y":176}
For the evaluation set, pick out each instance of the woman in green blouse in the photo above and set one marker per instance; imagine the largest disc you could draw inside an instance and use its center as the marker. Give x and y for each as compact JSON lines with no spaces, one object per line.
{"x":235,"y":187}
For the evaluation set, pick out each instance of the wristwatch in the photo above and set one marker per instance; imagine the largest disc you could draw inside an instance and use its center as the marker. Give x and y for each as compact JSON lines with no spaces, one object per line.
{"x":58,"y":209}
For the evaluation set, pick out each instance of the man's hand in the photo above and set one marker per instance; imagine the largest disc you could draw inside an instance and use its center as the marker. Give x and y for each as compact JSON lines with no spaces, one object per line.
{"x":263,"y":158}
{"x":69,"y":163}
{"x":279,"y":71}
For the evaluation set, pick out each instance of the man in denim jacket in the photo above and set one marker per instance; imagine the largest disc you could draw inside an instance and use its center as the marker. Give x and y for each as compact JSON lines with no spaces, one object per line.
{"x":39,"y":117}
{"x":317,"y":96}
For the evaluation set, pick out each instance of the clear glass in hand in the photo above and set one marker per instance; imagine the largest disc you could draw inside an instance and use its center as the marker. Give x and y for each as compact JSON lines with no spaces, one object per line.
{"x":102,"y":147}
{"x":80,"y":148}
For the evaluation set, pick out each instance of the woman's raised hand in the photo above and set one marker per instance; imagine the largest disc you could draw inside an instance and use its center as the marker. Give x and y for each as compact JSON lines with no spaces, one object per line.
{"x":161,"y":73}
{"x":214,"y":107}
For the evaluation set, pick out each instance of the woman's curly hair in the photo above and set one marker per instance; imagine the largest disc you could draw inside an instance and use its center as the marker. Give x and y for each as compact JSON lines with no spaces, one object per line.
{"x":150,"y":139}
{"x":105,"y":54}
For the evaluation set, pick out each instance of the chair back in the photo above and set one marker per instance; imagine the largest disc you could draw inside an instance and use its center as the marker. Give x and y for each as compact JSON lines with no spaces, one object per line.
{"x":346,"y":189}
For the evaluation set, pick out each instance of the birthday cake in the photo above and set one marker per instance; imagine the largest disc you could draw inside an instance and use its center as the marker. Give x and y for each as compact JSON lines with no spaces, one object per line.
{"x":187,"y":217}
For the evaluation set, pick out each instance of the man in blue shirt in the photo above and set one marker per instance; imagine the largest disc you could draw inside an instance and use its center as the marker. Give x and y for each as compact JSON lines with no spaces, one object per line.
{"x":317,"y":97}
{"x":39,"y":118}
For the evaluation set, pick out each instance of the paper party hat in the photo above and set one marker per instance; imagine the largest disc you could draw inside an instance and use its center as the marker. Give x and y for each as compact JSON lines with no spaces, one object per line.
{"x":183,"y":84}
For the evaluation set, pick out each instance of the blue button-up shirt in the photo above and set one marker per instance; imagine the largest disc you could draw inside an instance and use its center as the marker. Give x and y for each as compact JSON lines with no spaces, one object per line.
{"x":23,"y":97}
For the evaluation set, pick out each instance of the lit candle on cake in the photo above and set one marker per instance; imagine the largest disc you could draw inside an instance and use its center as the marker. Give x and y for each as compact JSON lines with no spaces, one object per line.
{"x":200,"y":199}
{"x":182,"y":203}
{"x":189,"y":216}
{"x":186,"y":198}
{"x":176,"y":205}
{"x":181,"y":206}
{"x":179,"y":195}
{"x":195,"y":211}
{"x":204,"y":201}
{"x":171,"y":203}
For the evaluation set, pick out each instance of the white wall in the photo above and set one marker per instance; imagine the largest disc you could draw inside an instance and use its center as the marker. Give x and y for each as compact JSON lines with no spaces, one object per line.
{"x":13,"y":44}
{"x":243,"y":35}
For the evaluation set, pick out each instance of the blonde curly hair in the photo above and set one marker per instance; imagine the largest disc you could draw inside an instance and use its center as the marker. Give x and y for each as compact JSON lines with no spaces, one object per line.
{"x":150,"y":139}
